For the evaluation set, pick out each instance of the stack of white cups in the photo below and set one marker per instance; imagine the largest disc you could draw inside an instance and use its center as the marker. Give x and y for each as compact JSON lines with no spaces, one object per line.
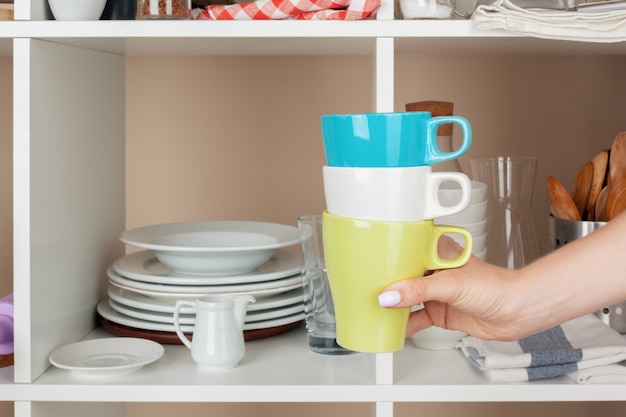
{"x":472,"y":218}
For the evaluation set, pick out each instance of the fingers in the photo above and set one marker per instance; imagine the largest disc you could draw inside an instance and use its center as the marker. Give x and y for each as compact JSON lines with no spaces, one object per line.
{"x":414,"y":291}
{"x":418,"y":320}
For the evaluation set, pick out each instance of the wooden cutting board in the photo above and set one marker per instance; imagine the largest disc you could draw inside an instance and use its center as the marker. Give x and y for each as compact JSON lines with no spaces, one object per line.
{"x":171,"y":338}
{"x":6,"y":360}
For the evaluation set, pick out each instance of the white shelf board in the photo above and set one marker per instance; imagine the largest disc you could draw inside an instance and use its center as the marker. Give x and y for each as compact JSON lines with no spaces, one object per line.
{"x":282,"y":369}
{"x":288,"y":37}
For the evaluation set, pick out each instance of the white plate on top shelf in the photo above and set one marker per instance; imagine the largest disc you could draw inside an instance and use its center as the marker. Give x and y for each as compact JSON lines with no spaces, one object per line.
{"x":166,"y":305}
{"x":203,"y":289}
{"x":144,"y":266}
{"x":106,"y":311}
{"x":106,"y":358}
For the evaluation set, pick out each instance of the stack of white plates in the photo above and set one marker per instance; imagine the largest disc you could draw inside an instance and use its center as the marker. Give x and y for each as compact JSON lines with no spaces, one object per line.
{"x":143,"y":291}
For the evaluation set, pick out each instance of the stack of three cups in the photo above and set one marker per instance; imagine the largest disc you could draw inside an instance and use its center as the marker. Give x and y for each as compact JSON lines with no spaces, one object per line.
{"x":381,"y":199}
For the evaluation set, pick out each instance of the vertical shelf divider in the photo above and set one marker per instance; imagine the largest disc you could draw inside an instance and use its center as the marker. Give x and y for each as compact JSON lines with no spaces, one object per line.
{"x":384,"y":102}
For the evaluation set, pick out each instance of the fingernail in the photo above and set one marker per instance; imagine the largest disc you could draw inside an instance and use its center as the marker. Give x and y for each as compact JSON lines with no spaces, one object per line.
{"x":389,"y":298}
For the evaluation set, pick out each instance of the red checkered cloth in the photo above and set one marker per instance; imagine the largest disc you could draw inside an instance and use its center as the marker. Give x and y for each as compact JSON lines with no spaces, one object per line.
{"x":290,"y":9}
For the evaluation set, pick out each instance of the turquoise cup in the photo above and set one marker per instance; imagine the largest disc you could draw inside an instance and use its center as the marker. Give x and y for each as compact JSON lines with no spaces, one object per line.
{"x":400,"y":139}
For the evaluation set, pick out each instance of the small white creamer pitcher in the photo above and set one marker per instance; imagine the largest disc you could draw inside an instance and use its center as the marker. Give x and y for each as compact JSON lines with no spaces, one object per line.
{"x":218,"y":340}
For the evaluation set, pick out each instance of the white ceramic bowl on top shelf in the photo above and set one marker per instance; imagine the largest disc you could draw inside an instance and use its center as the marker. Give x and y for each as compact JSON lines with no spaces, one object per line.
{"x":77,"y":9}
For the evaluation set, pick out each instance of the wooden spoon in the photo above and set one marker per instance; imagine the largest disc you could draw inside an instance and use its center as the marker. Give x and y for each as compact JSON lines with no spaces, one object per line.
{"x":600,"y":162}
{"x":600,"y":209}
{"x":617,"y":160}
{"x":561,"y":202}
{"x":582,"y":187}
{"x":616,"y":201}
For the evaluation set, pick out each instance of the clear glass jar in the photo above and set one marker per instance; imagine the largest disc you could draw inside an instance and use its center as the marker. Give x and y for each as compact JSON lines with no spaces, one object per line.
{"x":511,"y":232}
{"x":163,"y":9}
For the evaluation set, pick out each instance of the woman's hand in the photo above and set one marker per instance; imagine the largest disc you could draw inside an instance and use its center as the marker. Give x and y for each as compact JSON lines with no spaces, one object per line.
{"x":478,"y":298}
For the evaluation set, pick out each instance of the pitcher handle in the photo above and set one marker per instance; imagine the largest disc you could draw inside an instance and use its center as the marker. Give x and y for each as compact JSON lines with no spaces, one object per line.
{"x":179,"y":331}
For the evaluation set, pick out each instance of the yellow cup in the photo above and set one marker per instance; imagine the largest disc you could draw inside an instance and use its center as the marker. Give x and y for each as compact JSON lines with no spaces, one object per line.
{"x":365,"y":256}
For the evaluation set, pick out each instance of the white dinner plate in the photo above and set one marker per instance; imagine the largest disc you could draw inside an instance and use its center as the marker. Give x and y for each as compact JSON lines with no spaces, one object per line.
{"x":209,"y":236}
{"x":106,"y":358}
{"x":166,"y":305}
{"x":190,"y":318}
{"x":158,"y":295}
{"x":144,"y":266}
{"x":203,"y":289}
{"x":105,"y":310}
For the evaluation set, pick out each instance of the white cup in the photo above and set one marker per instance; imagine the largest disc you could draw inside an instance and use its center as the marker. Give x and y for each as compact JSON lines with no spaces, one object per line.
{"x":450,"y":192}
{"x":406,"y":194}
{"x":476,"y":229}
{"x":479,"y":243}
{"x":436,"y":338}
{"x":473,"y":213}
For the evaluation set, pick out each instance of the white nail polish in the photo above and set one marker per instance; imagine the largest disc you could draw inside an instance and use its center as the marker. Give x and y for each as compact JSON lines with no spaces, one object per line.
{"x":389,"y":298}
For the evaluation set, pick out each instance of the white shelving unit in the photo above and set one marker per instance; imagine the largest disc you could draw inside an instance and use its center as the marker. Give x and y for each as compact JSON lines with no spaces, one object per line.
{"x":65,"y":241}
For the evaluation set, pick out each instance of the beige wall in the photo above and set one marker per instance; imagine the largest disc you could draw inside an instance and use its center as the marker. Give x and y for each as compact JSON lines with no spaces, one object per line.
{"x":239,"y":138}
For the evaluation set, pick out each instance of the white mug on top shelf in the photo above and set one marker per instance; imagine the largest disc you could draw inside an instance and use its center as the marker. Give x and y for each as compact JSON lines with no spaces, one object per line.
{"x":407,"y":194}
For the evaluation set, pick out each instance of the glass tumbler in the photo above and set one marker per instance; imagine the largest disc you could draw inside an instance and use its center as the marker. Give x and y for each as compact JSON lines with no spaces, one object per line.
{"x":319,"y":309}
{"x":511,"y":230}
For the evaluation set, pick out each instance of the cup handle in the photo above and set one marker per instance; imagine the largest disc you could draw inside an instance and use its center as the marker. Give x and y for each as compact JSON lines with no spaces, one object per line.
{"x":437,"y":155}
{"x":436,"y":262}
{"x":179,"y":331}
{"x":434,"y":208}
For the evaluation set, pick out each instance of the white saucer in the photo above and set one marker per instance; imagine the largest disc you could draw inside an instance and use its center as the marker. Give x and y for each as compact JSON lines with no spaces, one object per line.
{"x":190,"y":319}
{"x":144,"y":266}
{"x":166,"y":305}
{"x":106,"y":358}
{"x":105,"y":310}
{"x":203,"y":289}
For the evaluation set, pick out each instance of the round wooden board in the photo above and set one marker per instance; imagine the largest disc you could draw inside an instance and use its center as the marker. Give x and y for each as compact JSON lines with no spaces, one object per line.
{"x":172,"y":338}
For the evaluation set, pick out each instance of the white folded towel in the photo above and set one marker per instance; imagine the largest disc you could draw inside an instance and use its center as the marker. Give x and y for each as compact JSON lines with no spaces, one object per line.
{"x":585,"y":349}
{"x":609,"y":26}
{"x":607,"y":374}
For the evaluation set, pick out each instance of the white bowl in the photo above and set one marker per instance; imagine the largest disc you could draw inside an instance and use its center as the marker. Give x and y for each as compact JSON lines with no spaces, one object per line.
{"x":450,"y":193}
{"x":478,"y":242}
{"x":476,"y":229}
{"x":213,"y":247}
{"x":481,"y":255}
{"x":436,"y":338}
{"x":77,"y":9}
{"x":473,"y":213}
